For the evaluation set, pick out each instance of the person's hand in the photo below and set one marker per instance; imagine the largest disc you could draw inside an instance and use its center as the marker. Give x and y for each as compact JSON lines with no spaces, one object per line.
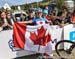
{"x":1,"y":29}
{"x":4,"y":25}
{"x":10,"y":26}
{"x":50,"y":22}
{"x":61,"y":25}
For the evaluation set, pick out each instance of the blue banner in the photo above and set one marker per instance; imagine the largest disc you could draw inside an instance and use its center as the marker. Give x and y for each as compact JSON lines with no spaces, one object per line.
{"x":72,"y":35}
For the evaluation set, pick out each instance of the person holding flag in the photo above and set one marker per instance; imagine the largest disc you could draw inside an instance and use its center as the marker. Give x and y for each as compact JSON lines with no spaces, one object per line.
{"x":40,"y":20}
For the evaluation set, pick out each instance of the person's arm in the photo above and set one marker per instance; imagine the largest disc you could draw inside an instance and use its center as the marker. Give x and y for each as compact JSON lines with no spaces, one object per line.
{"x":3,"y":25}
{"x":10,"y":25}
{"x":48,"y":21}
{"x":12,"y":21}
{"x":30,"y":21}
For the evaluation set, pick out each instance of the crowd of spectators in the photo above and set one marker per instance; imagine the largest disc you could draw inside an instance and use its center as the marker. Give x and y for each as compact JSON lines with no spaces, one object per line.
{"x":53,"y":17}
{"x":41,"y":16}
{"x":6,"y":21}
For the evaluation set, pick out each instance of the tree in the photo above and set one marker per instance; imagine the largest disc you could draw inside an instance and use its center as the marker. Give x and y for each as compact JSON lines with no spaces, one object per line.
{"x":60,"y":4}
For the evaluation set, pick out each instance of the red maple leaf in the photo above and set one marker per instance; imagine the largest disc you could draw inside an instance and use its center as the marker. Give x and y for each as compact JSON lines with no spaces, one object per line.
{"x":41,"y":22}
{"x":40,"y":38}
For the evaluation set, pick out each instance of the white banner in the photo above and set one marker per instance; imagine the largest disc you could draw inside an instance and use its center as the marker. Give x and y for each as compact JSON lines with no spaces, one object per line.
{"x":69,"y":33}
{"x":56,"y":34}
{"x":6,"y":36}
{"x":5,"y":51}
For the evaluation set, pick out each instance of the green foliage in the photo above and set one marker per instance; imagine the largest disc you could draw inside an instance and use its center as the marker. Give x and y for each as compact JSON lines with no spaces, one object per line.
{"x":60,"y":3}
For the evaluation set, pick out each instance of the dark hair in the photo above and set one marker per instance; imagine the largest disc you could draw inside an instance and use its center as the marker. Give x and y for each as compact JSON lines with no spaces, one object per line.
{"x":8,"y":12}
{"x":73,"y":12}
{"x":1,"y":11}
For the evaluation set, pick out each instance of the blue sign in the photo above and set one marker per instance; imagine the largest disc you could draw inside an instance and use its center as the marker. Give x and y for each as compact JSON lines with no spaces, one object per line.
{"x":72,"y":35}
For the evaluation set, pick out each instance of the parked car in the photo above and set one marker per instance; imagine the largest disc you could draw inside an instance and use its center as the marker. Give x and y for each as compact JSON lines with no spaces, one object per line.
{"x":19,"y":15}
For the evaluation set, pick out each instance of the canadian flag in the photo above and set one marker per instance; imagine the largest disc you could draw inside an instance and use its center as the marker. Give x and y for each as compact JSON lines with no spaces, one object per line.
{"x":33,"y":38}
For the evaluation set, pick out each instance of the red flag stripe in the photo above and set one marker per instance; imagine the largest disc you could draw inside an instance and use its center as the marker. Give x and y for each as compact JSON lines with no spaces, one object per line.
{"x":19,"y":32}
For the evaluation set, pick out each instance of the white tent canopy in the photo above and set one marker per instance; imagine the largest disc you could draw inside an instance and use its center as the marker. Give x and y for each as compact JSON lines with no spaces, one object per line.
{"x":70,"y":3}
{"x":6,"y":6}
{"x":16,"y":2}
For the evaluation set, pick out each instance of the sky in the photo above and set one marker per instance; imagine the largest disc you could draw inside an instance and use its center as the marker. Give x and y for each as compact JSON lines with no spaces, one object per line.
{"x":16,"y":2}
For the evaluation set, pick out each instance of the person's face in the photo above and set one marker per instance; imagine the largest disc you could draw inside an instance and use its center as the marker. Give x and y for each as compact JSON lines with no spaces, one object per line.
{"x":64,"y":10}
{"x":3,"y":15}
{"x":8,"y":16}
{"x":31,"y":15}
{"x":39,"y":14}
{"x":46,"y":7}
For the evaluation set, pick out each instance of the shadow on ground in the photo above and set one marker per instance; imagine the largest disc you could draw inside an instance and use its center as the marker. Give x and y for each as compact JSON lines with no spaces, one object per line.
{"x":33,"y":56}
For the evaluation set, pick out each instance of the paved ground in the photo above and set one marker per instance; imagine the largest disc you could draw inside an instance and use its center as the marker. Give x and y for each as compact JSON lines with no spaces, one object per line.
{"x":55,"y":56}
